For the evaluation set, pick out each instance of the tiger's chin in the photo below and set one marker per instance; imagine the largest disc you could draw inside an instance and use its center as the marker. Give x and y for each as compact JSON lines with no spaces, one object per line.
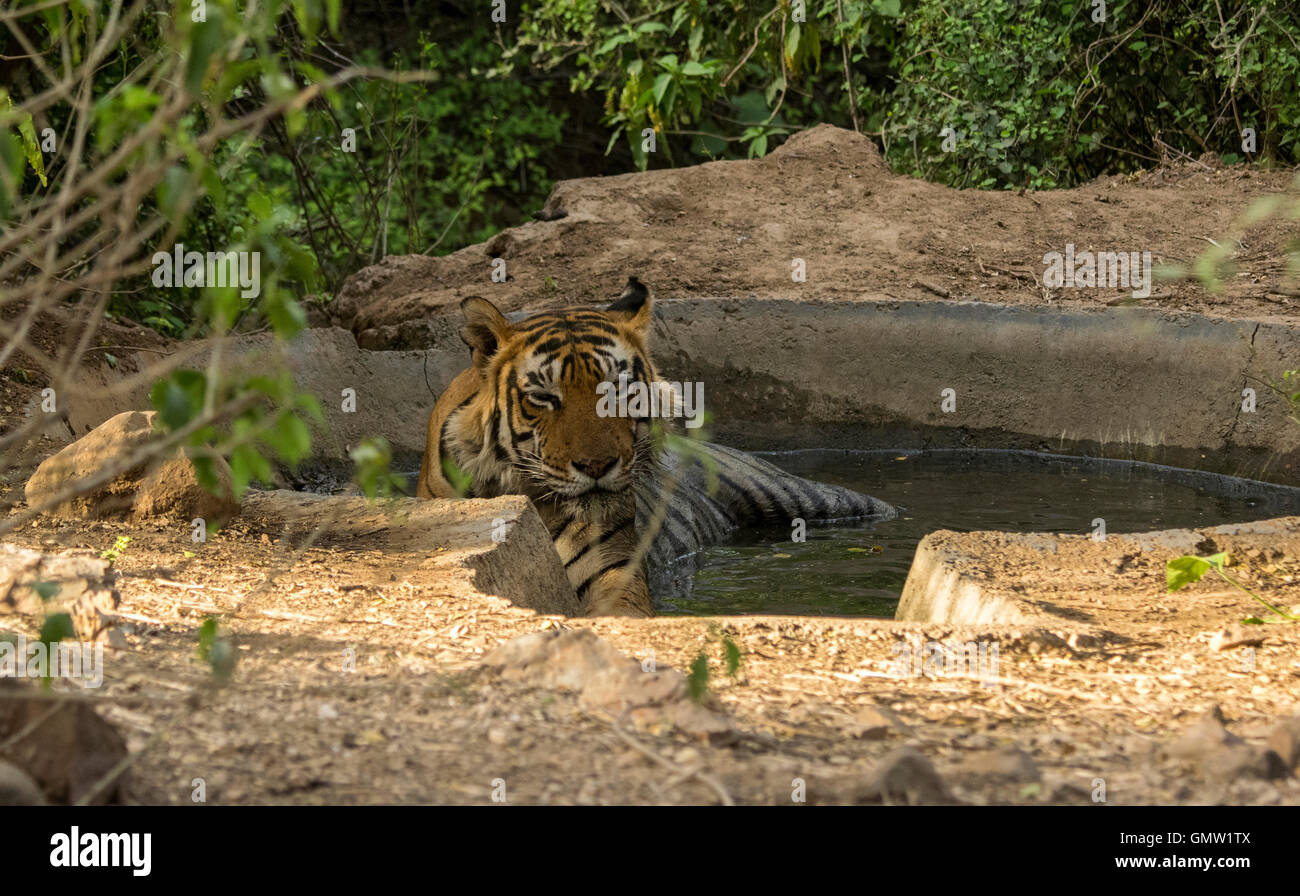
{"x":593,"y":491}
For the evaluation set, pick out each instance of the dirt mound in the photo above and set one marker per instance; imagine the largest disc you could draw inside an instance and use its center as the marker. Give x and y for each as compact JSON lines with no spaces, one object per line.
{"x":733,"y":229}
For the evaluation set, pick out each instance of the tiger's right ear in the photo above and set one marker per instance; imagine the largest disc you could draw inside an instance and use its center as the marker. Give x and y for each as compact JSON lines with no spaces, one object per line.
{"x":635,"y":303}
{"x":486,"y":329}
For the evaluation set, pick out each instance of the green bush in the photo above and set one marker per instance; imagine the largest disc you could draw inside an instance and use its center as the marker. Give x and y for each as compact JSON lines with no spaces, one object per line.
{"x":1043,"y":96}
{"x":1037,"y":94}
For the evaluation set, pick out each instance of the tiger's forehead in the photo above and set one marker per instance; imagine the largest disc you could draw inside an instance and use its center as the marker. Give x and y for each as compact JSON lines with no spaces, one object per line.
{"x":572,"y":346}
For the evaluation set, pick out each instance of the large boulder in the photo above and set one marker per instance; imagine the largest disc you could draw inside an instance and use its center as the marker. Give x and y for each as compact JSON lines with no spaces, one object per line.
{"x":163,"y":487}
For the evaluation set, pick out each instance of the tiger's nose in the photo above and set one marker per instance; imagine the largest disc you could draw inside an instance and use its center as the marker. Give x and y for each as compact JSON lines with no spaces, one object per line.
{"x":595,"y":468}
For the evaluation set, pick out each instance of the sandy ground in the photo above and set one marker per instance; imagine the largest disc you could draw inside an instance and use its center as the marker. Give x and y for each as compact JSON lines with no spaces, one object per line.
{"x":732,"y":229}
{"x":416,"y":717}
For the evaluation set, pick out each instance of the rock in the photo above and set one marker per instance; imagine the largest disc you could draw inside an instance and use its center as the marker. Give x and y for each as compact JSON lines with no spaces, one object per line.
{"x":1284,"y":740}
{"x":905,"y":776}
{"x":609,"y":681}
{"x":1206,"y":735}
{"x":630,"y":689}
{"x":1069,"y":794}
{"x":1236,"y":636}
{"x":452,"y":541}
{"x":34,"y":584}
{"x":1220,"y":754}
{"x":1010,"y":764}
{"x":566,"y":660}
{"x":17,"y":787}
{"x":164,"y":486}
{"x":875,"y":723}
{"x":1243,"y":761}
{"x":68,"y":749}
{"x":686,"y":717}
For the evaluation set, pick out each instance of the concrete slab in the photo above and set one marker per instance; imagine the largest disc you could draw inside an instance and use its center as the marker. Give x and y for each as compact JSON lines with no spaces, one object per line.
{"x":1117,"y":382}
{"x":969,"y":578}
{"x":492,"y":547}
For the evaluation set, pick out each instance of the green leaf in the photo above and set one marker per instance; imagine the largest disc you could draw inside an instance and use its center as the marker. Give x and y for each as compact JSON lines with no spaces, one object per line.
{"x":207,"y":636}
{"x":662,"y":83}
{"x":247,"y":464}
{"x":697,"y":682}
{"x":460,"y":479}
{"x":171,"y":192}
{"x":205,"y":38}
{"x":45,"y":590}
{"x":792,"y":46}
{"x":31,"y":146}
{"x":1183,"y":571}
{"x":57,"y":627}
{"x":261,"y":207}
{"x":179,"y":398}
{"x":206,"y":471}
{"x":290,"y":438}
{"x":285,"y":315}
{"x":732,"y":654}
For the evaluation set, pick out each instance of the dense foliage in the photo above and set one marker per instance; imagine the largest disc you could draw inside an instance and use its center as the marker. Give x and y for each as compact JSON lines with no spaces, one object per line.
{"x":975,"y":93}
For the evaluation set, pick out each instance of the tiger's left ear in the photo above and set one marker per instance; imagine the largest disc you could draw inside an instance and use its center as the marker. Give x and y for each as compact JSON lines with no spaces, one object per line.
{"x":635,"y":303}
{"x":486,"y":329}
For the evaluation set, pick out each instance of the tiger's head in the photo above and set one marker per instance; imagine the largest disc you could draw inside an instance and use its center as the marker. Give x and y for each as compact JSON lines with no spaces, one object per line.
{"x":538,"y":425}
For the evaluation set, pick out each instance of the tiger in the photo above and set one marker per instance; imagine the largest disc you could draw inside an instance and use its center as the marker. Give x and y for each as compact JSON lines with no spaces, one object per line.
{"x":525,"y":418}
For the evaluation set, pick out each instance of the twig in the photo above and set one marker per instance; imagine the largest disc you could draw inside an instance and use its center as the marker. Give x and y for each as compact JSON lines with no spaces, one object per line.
{"x":672,"y":766}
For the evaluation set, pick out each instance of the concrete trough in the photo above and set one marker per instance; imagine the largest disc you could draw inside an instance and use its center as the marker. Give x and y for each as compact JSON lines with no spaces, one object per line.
{"x":1129,"y":383}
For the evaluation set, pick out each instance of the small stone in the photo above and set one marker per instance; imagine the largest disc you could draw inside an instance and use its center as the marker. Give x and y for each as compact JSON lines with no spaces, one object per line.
{"x":370,"y":737}
{"x":630,"y":688}
{"x":568,"y":660}
{"x":1220,"y":754}
{"x":1204,"y":736}
{"x":905,"y":776}
{"x":1236,"y":636}
{"x":17,"y":787}
{"x":1284,"y":740}
{"x":498,"y":736}
{"x":327,"y":712}
{"x":698,"y":721}
{"x":687,"y":756}
{"x":1010,"y":764}
{"x":875,"y":723}
{"x":1069,"y":794}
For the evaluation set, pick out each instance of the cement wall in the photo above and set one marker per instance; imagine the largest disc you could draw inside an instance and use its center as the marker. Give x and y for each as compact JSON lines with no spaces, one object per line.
{"x":1118,"y":382}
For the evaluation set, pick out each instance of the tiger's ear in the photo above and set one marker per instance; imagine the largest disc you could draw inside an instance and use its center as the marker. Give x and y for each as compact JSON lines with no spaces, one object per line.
{"x":635,"y":303}
{"x":486,"y":329}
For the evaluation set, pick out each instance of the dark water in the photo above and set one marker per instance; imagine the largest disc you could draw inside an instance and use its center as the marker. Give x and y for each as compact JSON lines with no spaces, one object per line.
{"x":859,"y":571}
